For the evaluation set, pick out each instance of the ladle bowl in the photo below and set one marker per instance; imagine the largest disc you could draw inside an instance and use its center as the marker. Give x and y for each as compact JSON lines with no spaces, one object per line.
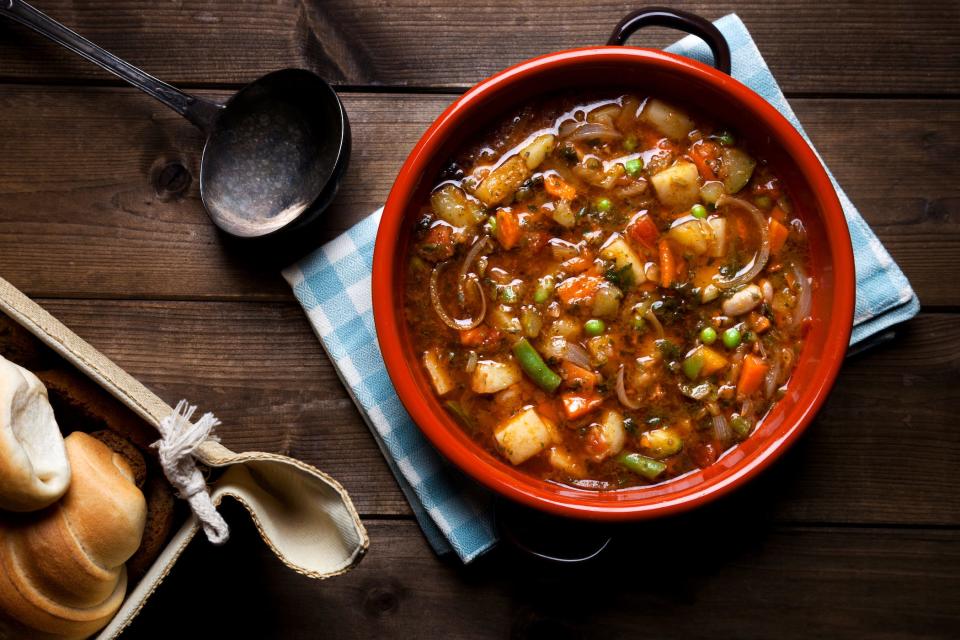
{"x":275,"y":152}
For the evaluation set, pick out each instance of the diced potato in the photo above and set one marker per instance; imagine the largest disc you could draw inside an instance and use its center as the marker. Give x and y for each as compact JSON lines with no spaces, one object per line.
{"x":606,"y":302}
{"x":695,"y":236}
{"x":666,"y":119}
{"x":523,"y":436}
{"x":455,"y":207}
{"x":491,"y":376}
{"x":601,"y":350}
{"x":617,"y":250}
{"x":503,"y":181}
{"x":607,"y":437}
{"x":563,"y":215}
{"x":718,"y":248}
{"x":433,"y":362}
{"x":562,"y":460}
{"x":711,"y":191}
{"x":534,"y":153}
{"x":677,"y":187}
{"x":503,"y":319}
{"x":661,"y":443}
{"x":736,"y":167}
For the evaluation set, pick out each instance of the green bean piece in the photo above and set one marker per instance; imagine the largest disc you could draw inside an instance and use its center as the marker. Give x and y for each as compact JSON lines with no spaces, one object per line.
{"x":534,"y":366}
{"x":457,"y":409}
{"x":544,"y":290}
{"x":594,"y":327}
{"x":492,"y":225}
{"x":740,"y":425}
{"x":509,"y":294}
{"x":731,"y":338}
{"x":693,"y":365}
{"x":642,"y":465}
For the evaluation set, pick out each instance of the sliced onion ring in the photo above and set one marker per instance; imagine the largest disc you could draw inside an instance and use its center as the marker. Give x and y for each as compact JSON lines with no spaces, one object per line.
{"x":575,"y":354}
{"x":804,"y":297}
{"x":654,"y":321}
{"x":478,"y":247}
{"x":760,"y":259}
{"x":622,"y":392}
{"x":455,"y":323}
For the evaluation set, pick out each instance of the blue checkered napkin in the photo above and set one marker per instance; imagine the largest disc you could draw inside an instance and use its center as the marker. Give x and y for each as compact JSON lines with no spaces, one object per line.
{"x":884,"y":296}
{"x":333,"y":285}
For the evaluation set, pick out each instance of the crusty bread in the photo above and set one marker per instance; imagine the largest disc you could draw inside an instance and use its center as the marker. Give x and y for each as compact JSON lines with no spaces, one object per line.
{"x":161,"y":509}
{"x":34,"y":471}
{"x":83,"y":405}
{"x":118,"y":444}
{"x":62,"y":570}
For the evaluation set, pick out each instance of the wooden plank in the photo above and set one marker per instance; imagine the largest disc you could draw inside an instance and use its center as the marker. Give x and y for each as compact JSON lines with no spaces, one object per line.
{"x":720,"y":579}
{"x":845,"y":46}
{"x":85,"y":194}
{"x":884,"y":450}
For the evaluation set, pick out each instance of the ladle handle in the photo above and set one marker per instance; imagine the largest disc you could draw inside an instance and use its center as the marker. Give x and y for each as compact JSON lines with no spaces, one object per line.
{"x":200,"y":112}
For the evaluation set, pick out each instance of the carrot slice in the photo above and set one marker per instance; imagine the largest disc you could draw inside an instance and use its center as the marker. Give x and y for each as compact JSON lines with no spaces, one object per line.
{"x":705,"y":171}
{"x":548,"y":409}
{"x":644,"y":231}
{"x":778,"y":236}
{"x":778,"y":214}
{"x":668,"y":265}
{"x":752,"y":373}
{"x":508,"y":228}
{"x":578,"y":289}
{"x":578,"y":377}
{"x":558,"y":187}
{"x":576,"y":405}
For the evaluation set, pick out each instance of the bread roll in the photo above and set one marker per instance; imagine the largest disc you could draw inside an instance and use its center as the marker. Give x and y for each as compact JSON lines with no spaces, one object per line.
{"x":62,"y":571}
{"x":34,"y":471}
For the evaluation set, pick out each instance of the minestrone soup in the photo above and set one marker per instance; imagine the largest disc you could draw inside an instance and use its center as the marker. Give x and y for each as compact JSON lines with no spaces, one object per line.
{"x":608,"y":292}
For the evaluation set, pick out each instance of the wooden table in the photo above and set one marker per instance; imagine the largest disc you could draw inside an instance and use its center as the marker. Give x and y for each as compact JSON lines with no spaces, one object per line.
{"x":854,"y":533}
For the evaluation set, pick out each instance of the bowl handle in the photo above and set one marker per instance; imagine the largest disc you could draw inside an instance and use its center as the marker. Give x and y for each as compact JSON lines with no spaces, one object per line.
{"x":675,"y":19}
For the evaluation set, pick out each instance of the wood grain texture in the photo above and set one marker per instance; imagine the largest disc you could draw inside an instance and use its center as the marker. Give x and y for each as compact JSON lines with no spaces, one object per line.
{"x":100,"y":186}
{"x":846,"y":46}
{"x":883,"y":451}
{"x":705,"y":577}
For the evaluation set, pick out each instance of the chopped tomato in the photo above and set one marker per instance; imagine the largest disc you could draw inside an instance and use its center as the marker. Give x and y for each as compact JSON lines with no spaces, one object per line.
{"x":578,"y":289}
{"x":438,"y":244}
{"x":548,"y":409}
{"x":479,"y":337}
{"x":703,"y":454}
{"x":644,"y":231}
{"x":577,"y":405}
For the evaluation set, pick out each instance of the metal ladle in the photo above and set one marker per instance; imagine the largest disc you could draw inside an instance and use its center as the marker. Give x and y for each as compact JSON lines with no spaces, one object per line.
{"x":275,"y":152}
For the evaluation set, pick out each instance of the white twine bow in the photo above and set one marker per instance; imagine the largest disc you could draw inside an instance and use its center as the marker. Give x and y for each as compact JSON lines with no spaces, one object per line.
{"x":180,"y":438}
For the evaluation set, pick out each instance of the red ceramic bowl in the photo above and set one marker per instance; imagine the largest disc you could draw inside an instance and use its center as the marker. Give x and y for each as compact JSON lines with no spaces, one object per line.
{"x":683,"y":82}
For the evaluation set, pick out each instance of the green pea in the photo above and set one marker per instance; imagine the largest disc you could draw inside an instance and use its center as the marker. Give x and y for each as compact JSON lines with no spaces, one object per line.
{"x":726,"y":138}
{"x":698,"y":211}
{"x":492,"y":225}
{"x":604,"y":205}
{"x":708,"y":335}
{"x":594,"y":326}
{"x":630,"y":143}
{"x":634,"y":166}
{"x":731,"y":338}
{"x":508,"y":294}
{"x":764,"y":202}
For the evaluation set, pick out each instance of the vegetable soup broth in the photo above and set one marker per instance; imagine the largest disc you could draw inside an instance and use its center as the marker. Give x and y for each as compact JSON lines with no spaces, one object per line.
{"x":607,"y":292}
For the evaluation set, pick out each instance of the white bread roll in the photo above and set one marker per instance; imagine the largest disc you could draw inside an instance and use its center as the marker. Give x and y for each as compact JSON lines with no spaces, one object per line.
{"x":62,"y":571}
{"x":34,"y":471}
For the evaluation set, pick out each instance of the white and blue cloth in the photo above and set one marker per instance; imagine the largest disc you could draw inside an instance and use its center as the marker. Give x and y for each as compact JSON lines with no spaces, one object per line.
{"x":333,"y":285}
